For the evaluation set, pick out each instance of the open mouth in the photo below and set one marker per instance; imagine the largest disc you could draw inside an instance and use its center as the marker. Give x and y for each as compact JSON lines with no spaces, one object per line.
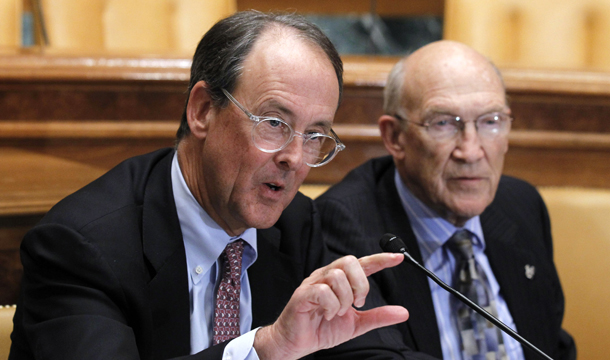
{"x":273,"y":187}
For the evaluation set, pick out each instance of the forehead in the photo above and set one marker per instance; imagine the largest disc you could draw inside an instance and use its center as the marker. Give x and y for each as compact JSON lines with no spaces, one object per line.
{"x":287,"y":72}
{"x":456,"y":82}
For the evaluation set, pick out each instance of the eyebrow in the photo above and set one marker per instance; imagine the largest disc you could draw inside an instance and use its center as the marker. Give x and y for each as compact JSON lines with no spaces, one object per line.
{"x":440,"y":111}
{"x":326,"y":124}
{"x":279,"y":106}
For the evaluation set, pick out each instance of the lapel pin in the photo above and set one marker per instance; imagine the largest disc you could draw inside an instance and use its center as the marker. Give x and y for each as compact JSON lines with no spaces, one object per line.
{"x":530,"y":270}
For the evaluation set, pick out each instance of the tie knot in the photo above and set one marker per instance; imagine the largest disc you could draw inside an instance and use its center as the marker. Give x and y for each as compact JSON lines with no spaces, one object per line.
{"x":460,"y":244}
{"x":234,"y":249}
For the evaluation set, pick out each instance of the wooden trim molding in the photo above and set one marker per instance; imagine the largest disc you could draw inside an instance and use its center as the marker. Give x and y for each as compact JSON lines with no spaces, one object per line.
{"x":88,"y":130}
{"x":358,"y":71}
{"x":44,"y":161}
{"x":59,"y":66}
{"x":559,"y":82}
{"x":348,"y":133}
{"x":346,"y":7}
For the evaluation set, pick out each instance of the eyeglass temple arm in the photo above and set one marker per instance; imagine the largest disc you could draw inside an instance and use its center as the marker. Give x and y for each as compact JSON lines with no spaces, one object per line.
{"x":339,"y":142}
{"x":234,"y":101}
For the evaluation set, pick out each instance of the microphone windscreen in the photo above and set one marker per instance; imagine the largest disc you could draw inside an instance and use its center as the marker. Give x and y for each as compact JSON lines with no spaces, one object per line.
{"x":392,"y":243}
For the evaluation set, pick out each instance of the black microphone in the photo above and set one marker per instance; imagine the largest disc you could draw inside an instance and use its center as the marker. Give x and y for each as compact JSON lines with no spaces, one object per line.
{"x":394,"y":244}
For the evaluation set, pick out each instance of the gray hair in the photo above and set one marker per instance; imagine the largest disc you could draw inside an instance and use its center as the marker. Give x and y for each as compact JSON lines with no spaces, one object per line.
{"x":393,"y":91}
{"x":221,"y":52}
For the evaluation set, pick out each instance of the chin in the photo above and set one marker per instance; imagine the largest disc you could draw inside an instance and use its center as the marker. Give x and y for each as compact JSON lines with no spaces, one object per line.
{"x":468,"y":211}
{"x":264,"y":218}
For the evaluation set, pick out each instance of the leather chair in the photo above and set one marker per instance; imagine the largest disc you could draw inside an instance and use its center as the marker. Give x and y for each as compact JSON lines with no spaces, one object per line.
{"x":10,"y":22}
{"x":549,"y":34}
{"x":6,"y":327}
{"x":580,"y":221}
{"x":158,"y":26}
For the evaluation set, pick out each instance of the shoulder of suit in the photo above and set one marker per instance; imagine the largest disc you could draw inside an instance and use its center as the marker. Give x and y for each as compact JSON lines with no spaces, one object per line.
{"x":361,"y":179}
{"x":509,"y":184}
{"x":514,"y":193}
{"x":122,"y":186}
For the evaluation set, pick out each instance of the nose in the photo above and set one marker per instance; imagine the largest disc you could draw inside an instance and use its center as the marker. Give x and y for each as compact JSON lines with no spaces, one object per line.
{"x":291,"y":156}
{"x":468,"y":148}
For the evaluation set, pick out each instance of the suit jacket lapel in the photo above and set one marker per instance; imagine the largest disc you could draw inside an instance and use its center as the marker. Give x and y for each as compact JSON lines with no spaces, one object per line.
{"x":508,"y":258}
{"x":415,"y":290}
{"x":163,"y":247}
{"x":273,"y":278}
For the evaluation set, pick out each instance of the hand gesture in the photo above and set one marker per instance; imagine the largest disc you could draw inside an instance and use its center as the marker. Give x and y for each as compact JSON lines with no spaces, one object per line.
{"x":320,"y":315}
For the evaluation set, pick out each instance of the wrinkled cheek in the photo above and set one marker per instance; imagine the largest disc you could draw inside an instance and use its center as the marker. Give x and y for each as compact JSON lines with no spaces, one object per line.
{"x":301,"y":174}
{"x":437,"y":184}
{"x":266,"y":216}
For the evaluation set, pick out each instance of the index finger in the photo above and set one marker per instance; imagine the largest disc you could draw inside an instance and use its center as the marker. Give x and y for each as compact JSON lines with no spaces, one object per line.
{"x":376,"y":262}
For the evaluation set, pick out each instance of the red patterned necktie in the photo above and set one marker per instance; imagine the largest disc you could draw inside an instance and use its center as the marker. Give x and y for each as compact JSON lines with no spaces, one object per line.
{"x":226,"y":312}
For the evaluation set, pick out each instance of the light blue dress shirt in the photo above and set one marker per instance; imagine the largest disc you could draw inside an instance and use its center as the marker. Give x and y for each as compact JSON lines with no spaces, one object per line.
{"x":204,"y":241}
{"x":432,"y":232}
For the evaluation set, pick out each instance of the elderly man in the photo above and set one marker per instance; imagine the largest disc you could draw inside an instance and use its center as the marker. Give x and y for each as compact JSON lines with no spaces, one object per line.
{"x":446,"y":127}
{"x":161,"y":257}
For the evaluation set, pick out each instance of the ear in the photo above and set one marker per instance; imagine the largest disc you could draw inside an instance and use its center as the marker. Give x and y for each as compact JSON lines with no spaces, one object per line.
{"x":199,"y":110}
{"x":392,"y":135}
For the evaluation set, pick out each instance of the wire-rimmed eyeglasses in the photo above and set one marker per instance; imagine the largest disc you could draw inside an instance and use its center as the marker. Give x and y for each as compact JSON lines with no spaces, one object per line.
{"x":271,"y":134}
{"x":446,"y":126}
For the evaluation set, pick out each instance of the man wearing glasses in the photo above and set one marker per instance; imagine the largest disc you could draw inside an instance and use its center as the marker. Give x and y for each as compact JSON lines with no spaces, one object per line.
{"x":208,"y":251}
{"x":446,"y":126}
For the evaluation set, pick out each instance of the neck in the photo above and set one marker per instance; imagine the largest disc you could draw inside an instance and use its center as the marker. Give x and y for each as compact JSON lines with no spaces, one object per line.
{"x":193,"y":174}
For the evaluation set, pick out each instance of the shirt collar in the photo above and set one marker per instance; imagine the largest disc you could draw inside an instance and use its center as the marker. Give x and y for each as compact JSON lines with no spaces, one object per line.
{"x":431,"y":230}
{"x":204,"y":239}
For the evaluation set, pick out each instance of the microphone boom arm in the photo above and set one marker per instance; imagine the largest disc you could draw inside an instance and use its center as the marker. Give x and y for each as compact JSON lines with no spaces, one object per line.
{"x":400,"y":247}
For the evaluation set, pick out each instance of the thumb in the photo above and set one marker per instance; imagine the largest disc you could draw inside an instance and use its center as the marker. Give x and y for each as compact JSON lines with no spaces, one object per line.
{"x":380,"y":317}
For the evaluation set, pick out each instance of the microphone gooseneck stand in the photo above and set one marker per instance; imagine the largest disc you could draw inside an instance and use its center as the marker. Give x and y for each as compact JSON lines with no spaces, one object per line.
{"x":394,"y":244}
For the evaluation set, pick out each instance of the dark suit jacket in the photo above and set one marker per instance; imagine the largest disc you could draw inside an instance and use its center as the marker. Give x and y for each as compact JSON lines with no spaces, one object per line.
{"x":365,"y":205}
{"x":105,"y":272}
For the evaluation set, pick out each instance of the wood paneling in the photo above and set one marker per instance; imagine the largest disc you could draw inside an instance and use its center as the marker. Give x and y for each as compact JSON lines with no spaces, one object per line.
{"x":336,"y":7}
{"x":96,"y":100}
{"x":43,"y":162}
{"x":112,"y":107}
{"x":52,"y":87}
{"x":559,"y":100}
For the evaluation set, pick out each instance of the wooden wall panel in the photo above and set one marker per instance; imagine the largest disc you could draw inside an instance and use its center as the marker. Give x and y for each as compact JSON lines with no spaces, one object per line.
{"x":48,"y":100}
{"x":382,"y":7}
{"x":101,"y":99}
{"x":563,"y":112}
{"x":360,"y":105}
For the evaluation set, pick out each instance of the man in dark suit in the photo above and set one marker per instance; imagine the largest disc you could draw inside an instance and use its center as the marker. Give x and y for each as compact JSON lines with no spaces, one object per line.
{"x":161,"y":257}
{"x":446,"y":127}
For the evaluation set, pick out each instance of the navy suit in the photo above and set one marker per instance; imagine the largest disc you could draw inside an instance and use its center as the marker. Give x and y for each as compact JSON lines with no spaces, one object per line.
{"x":105,"y":272}
{"x":357,"y":212}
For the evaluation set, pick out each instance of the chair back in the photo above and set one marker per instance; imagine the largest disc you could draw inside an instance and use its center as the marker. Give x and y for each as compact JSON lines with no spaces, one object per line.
{"x":553,"y":34}
{"x":153,"y":27}
{"x":580,"y":221}
{"x":6,"y":328}
{"x":10,"y":22}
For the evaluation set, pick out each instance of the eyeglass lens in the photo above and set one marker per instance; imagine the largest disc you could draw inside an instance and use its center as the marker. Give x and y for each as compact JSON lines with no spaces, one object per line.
{"x":488,"y":126}
{"x":272,"y":135}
